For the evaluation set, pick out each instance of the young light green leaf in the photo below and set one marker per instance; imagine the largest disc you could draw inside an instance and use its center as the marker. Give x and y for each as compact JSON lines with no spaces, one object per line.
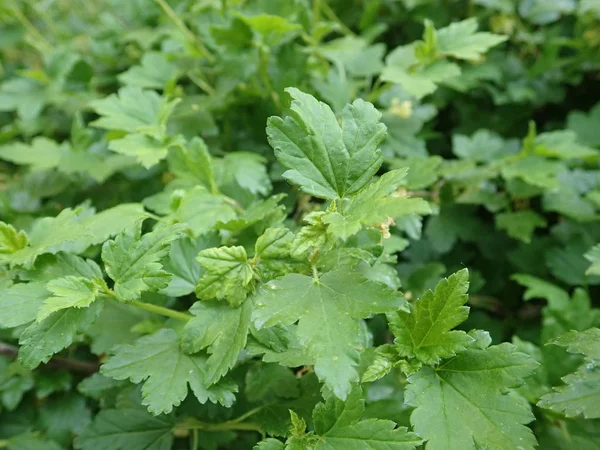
{"x":463,"y":403}
{"x":157,"y":360}
{"x":132,"y":260}
{"x":425,"y":333}
{"x":375,"y":205}
{"x":41,"y":340}
{"x":227,"y":275}
{"x":69,"y":292}
{"x":324,"y":159}
{"x":11,"y":240}
{"x":127,"y":429}
{"x":220,"y":329}
{"x":327,"y":309}
{"x":461,"y":40}
{"x":418,"y":80}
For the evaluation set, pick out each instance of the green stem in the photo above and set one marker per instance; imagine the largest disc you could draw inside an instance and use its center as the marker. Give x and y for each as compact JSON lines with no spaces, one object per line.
{"x":167,"y":312}
{"x":31,"y":29}
{"x":331,"y":15}
{"x":198,"y":81}
{"x":223,"y":426}
{"x":185,"y":30}
{"x":264,"y":75}
{"x":247,"y":414}
{"x":316,"y":10}
{"x":194,"y":441}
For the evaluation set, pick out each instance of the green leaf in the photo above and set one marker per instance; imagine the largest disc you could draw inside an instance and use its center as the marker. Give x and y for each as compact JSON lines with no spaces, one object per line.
{"x":133,"y":110}
{"x":461,"y":40}
{"x":520,"y":224}
{"x":593,"y":256}
{"x":114,"y":326}
{"x":338,"y":427}
{"x":537,"y":288}
{"x":375,"y":205}
{"x":31,"y":442}
{"x":62,"y":417}
{"x":69,"y":292}
{"x":324,"y":159}
{"x":181,"y":263}
{"x":127,"y":429}
{"x":243,"y":170}
{"x":154,"y":71}
{"x":562,"y":144}
{"x":201,"y":210}
{"x":578,"y":397}
{"x":42,"y":153}
{"x":147,"y":150}
{"x":425,"y":333}
{"x":112,"y":221}
{"x":11,"y":240}
{"x":227,"y":275}
{"x":273,"y":252}
{"x":132,"y":260}
{"x":463,"y":403}
{"x":41,"y":340}
{"x":418,"y":80}
{"x":270,"y":444}
{"x":273,"y":30}
{"x":157,"y":360}
{"x":585,"y":125}
{"x":327,"y":309}
{"x":64,"y":232}
{"x":580,"y":394}
{"x":19,"y":303}
{"x":222,"y":331}
{"x":193,"y":163}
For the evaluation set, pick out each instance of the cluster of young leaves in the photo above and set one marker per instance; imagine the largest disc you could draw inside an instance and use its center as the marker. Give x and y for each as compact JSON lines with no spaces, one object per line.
{"x":173,"y":275}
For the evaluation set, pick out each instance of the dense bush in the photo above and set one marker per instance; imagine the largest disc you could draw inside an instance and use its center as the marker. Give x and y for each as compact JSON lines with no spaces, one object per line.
{"x":337,"y":225}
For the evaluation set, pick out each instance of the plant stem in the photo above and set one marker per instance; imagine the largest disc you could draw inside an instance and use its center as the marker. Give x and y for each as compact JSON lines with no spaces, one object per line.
{"x":264,"y":75}
{"x":73,"y":365}
{"x":45,"y":46}
{"x":223,"y":426}
{"x":194,"y":441}
{"x":330,"y":13}
{"x":185,"y":30}
{"x":247,"y":414}
{"x":316,"y":11}
{"x":167,"y":312}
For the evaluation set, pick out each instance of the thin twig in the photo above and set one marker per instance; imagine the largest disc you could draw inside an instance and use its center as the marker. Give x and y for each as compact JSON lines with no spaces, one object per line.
{"x":57,"y":362}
